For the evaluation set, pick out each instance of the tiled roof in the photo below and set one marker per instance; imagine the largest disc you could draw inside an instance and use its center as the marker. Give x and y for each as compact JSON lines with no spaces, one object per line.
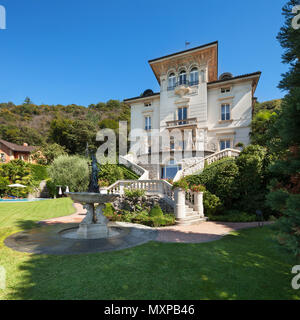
{"x":143,"y":97}
{"x":237,"y":77}
{"x":16,"y":147}
{"x":180,"y":52}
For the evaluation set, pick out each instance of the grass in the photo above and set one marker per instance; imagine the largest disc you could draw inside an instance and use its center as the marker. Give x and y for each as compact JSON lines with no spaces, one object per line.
{"x":247,"y":264}
{"x":11,"y":214}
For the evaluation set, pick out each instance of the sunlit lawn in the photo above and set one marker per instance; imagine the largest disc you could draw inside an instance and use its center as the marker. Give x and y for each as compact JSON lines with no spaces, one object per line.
{"x":244,"y":265}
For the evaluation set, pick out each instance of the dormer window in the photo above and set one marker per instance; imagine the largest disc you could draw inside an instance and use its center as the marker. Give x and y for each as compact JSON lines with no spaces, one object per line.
{"x":225,"y":90}
{"x":194,"y":77}
{"x":182,"y":77}
{"x":171,"y":81}
{"x":147,"y":104}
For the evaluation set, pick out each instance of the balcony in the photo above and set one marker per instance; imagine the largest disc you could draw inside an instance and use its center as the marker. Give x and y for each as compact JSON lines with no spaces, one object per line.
{"x":184,"y":122}
{"x":183,"y":83}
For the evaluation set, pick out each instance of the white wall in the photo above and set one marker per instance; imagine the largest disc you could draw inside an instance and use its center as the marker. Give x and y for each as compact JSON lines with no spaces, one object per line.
{"x":240,"y":100}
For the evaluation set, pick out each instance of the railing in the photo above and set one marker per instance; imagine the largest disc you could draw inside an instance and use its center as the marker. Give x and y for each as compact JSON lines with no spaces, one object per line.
{"x":182,"y":83}
{"x":129,"y":163}
{"x":160,"y":187}
{"x":190,"y":198}
{"x":181,"y":122}
{"x":222,"y":154}
{"x":209,"y":159}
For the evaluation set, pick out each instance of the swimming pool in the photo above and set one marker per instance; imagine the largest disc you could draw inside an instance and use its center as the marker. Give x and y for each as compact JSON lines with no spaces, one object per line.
{"x":21,"y":200}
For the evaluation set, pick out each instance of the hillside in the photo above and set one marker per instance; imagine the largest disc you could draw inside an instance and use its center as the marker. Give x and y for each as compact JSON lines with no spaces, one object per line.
{"x":70,"y":126}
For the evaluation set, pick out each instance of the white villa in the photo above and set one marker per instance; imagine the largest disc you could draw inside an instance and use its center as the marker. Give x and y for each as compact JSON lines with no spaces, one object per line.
{"x":215,"y":110}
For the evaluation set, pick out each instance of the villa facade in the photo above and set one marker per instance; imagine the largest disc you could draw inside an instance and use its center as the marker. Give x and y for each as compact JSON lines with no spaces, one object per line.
{"x":215,"y":110}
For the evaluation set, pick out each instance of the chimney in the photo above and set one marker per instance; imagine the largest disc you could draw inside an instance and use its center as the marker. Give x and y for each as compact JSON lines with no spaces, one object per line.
{"x":25,"y":144}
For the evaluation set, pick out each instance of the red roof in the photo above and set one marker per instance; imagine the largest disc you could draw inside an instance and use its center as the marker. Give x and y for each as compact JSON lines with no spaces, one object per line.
{"x":16,"y":147}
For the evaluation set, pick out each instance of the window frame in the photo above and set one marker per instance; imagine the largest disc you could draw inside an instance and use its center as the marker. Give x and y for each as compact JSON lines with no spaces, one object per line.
{"x":171,"y":81}
{"x":194,"y":81}
{"x":148,"y":123}
{"x":183,"y":81}
{"x":225,"y":90}
{"x":227,"y":113}
{"x":224,"y":140}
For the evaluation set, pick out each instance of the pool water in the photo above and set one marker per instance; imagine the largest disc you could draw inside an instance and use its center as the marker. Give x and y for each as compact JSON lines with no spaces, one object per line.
{"x":21,"y":200}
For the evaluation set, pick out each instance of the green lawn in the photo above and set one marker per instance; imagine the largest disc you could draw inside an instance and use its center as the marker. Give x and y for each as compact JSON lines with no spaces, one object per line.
{"x":245,"y":265}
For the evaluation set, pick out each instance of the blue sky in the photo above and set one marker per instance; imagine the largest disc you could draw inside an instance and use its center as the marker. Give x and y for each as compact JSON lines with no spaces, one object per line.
{"x":83,"y":52}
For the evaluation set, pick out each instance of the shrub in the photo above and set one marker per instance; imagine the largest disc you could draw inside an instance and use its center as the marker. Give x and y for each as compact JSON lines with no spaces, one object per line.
{"x":4,"y":182}
{"x":127,"y":173}
{"x":253,"y":178}
{"x":103,"y":183}
{"x":134,"y":193}
{"x":17,"y":171}
{"x":156,"y":211}
{"x":110,"y":173}
{"x":182,"y":184}
{"x":51,"y":187}
{"x":198,"y":188}
{"x":46,"y":154}
{"x":108,"y":210}
{"x":39,"y":172}
{"x":211,"y":203}
{"x":219,"y":178}
{"x":72,"y":171}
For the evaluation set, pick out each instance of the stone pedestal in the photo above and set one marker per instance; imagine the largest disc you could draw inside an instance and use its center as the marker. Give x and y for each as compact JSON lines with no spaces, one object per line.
{"x":179,"y":204}
{"x":94,"y":225}
{"x":198,"y":206}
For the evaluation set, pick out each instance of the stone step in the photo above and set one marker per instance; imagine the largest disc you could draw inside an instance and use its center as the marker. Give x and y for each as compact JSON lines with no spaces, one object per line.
{"x":188,"y":209}
{"x":191,"y":220}
{"x":192,"y":213}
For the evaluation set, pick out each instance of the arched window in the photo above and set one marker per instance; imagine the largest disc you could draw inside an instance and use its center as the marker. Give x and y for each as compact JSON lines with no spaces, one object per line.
{"x":182,"y":77}
{"x":171,"y":81}
{"x":194,"y":76}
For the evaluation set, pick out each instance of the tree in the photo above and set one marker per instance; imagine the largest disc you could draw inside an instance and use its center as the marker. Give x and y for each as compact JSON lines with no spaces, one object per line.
{"x":253,"y":177}
{"x":71,"y":171}
{"x":284,"y":195}
{"x":46,"y":154}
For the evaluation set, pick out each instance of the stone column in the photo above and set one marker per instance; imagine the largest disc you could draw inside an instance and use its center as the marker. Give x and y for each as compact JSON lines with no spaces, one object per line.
{"x":198,"y":203}
{"x":179,"y":204}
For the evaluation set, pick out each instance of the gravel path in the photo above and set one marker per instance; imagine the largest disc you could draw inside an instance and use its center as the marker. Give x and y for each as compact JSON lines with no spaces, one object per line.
{"x":202,"y":232}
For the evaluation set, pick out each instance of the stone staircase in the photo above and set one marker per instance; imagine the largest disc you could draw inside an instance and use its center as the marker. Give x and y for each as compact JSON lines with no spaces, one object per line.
{"x":199,"y":166}
{"x":191,"y":217}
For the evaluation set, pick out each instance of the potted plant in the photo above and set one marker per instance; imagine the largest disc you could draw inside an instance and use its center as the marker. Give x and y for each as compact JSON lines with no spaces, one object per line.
{"x":198,"y":188}
{"x":181,"y":184}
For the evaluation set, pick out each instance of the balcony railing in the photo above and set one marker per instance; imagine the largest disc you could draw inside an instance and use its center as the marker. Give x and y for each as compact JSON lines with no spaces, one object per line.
{"x":183,"y":82}
{"x":182,"y":122}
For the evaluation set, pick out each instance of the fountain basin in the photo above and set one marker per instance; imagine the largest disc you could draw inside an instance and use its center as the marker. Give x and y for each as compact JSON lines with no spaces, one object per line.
{"x":90,"y":197}
{"x":92,"y":233}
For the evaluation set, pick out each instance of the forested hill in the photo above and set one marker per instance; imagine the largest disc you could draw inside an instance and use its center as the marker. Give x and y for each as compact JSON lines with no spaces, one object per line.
{"x":70,"y":126}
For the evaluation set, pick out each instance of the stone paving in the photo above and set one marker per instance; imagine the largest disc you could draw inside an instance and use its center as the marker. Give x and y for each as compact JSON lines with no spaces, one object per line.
{"x":202,"y":232}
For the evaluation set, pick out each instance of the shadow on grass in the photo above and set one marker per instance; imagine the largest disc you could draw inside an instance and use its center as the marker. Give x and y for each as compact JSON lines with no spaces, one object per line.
{"x":247,"y":265}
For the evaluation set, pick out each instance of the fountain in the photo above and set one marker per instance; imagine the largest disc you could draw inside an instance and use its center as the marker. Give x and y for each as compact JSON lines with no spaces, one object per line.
{"x":94,"y":225}
{"x":92,"y":235}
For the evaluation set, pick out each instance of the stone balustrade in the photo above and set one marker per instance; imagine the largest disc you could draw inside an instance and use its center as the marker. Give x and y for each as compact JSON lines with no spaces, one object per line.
{"x":199,"y":166}
{"x":179,"y":199}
